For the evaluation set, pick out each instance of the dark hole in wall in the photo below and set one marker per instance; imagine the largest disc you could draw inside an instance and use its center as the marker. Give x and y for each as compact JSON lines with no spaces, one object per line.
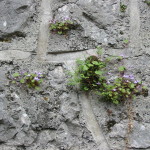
{"x":9,"y":37}
{"x":110,"y":124}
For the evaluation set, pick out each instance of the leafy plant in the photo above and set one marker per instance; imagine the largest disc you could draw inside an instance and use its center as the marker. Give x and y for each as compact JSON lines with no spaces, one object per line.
{"x":123,"y":7}
{"x":147,"y":2}
{"x":89,"y":73}
{"x":126,"y":41}
{"x":122,"y":88}
{"x":92,"y":74}
{"x":30,"y":80}
{"x":61,"y":27}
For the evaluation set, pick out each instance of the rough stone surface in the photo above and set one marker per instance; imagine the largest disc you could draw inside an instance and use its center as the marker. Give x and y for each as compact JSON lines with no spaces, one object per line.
{"x":97,"y":21}
{"x":14,"y":15}
{"x":19,"y":25}
{"x":57,"y":117}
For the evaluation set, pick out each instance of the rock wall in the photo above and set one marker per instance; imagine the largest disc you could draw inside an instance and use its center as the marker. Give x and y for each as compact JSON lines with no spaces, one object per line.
{"x":59,"y":117}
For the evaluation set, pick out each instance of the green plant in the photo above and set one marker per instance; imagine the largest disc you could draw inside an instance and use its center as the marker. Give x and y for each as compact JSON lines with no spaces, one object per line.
{"x":123,"y":7}
{"x":92,"y":74}
{"x":122,"y":88}
{"x":89,"y":73}
{"x":126,"y":41}
{"x":30,"y":80}
{"x":147,"y":2}
{"x":61,"y":27}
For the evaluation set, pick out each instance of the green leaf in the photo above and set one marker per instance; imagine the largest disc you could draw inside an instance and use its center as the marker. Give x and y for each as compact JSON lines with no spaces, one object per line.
{"x":123,"y":90}
{"x":79,"y":61}
{"x":144,"y":87}
{"x":99,"y":72}
{"x":22,"y":81}
{"x":85,"y":68}
{"x":95,"y":63}
{"x":13,"y":82}
{"x":115,"y":102}
{"x":59,"y":32}
{"x":132,"y":85}
{"x":37,"y":88}
{"x":86,"y":89}
{"x":121,"y":68}
{"x":126,"y":41}
{"x":32,"y":81}
{"x":16,"y":75}
{"x":90,"y":65}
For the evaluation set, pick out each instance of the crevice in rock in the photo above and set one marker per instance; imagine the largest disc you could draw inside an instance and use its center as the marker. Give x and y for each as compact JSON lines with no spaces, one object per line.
{"x":22,"y":9}
{"x":9,"y":37}
{"x":90,"y":18}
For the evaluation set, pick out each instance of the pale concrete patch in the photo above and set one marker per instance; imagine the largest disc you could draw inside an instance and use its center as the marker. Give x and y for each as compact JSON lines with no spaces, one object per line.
{"x":14,"y":54}
{"x":44,"y":29}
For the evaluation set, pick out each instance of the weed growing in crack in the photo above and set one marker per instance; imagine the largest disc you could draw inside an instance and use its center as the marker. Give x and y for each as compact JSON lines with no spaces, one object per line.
{"x":29,"y":80}
{"x":61,"y":27}
{"x":123,"y":7}
{"x":92,"y":74}
{"x":126,"y":41}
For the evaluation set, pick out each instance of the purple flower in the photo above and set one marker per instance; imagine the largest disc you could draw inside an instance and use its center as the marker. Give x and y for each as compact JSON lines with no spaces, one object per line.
{"x":108,"y":82}
{"x":136,"y":81}
{"x":131,"y":77}
{"x":36,"y":78}
{"x":109,"y":73}
{"x":98,"y":83}
{"x":39,"y":73}
{"x":28,"y":75}
{"x":52,"y":21}
{"x":114,"y":89}
{"x":122,"y":55}
{"x":66,"y":18}
{"x":126,"y":76}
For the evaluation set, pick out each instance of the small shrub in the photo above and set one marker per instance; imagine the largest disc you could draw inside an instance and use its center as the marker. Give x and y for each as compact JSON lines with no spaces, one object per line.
{"x":61,"y":27}
{"x":29,"y":80}
{"x":93,"y":74}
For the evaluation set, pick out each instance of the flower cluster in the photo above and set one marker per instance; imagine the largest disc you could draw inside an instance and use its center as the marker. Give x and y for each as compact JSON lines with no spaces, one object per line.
{"x":61,"y":27}
{"x":122,"y":88}
{"x":93,"y":74}
{"x":30,"y":80}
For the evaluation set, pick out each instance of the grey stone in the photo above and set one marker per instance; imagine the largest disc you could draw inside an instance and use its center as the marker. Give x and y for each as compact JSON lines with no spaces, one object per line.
{"x":96,"y":23}
{"x":70,"y":108}
{"x":23,"y":138}
{"x":5,"y":147}
{"x":63,"y":137}
{"x":140,"y":138}
{"x":119,"y":130}
{"x":14,"y":15}
{"x":45,"y":137}
{"x":3,"y":79}
{"x":6,"y":133}
{"x":10,"y":55}
{"x":53,"y":117}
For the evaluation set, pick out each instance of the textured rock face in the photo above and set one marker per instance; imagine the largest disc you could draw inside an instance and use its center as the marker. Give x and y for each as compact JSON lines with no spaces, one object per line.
{"x":98,"y":23}
{"x":14,"y":15}
{"x":58,"y":116}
